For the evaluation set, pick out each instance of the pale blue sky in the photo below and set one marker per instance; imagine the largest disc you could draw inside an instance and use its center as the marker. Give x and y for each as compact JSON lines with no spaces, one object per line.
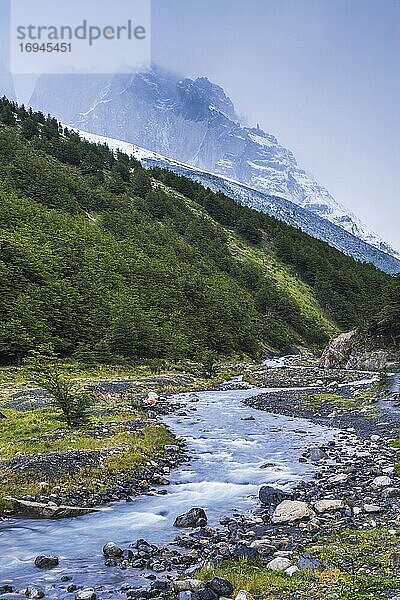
{"x":322,"y":75}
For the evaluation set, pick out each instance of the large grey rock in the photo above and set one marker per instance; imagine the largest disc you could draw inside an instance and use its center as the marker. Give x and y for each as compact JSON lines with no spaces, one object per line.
{"x":351,"y":351}
{"x":290,"y":511}
{"x":316,"y":454}
{"x":263,"y":547}
{"x":280,"y":563}
{"x":383,"y":481}
{"x":33,"y":591}
{"x":322,"y":506}
{"x":270,"y":495}
{"x":220,"y":586}
{"x":195,"y":517}
{"x":86,"y":594}
{"x":38,"y":510}
{"x":111,"y":550}
{"x":46,"y":562}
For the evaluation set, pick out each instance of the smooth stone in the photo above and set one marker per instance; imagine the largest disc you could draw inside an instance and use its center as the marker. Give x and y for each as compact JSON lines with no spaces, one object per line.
{"x":339,"y":478}
{"x":263,"y":547}
{"x":279,"y":564}
{"x":189,"y":585}
{"x":372,"y":508}
{"x":316,"y":454}
{"x":322,"y":506}
{"x":382,"y":481}
{"x":290,"y":511}
{"x":292,"y":570}
{"x":86,"y":594}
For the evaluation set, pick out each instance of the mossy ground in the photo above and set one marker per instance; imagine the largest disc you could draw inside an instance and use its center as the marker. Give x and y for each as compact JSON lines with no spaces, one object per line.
{"x":358,"y":565}
{"x":42,"y":430}
{"x":336,"y":401}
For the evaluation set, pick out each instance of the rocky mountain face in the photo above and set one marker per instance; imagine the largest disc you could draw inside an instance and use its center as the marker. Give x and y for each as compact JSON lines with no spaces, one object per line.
{"x":193,"y":121}
{"x":351,"y":350}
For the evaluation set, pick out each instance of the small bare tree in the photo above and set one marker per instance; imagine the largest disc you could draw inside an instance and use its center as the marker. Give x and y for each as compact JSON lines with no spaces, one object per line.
{"x":43,"y":369}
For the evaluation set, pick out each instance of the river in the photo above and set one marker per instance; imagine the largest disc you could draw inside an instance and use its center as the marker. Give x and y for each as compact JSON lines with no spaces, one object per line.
{"x":224,"y":475}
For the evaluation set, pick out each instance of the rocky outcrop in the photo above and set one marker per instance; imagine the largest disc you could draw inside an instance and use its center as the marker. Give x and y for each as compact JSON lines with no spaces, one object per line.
{"x":351,"y":350}
{"x":38,"y":510}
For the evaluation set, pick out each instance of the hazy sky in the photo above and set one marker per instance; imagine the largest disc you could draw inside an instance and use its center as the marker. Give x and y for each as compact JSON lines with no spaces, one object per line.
{"x":322,"y":75}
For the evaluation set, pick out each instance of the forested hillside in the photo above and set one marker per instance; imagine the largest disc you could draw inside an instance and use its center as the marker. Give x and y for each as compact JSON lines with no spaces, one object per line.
{"x":109,"y":262}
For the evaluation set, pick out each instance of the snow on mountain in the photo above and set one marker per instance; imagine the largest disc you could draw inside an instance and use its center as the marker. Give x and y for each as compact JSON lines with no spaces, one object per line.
{"x":275,"y":206}
{"x":194,"y":122}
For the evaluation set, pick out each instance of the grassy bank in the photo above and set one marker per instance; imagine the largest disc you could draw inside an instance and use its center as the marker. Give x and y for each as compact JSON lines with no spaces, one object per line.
{"x":355,"y":565}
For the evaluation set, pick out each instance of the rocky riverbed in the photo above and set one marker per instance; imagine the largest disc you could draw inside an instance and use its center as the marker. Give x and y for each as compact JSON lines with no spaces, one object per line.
{"x":355,"y":488}
{"x":349,"y":484}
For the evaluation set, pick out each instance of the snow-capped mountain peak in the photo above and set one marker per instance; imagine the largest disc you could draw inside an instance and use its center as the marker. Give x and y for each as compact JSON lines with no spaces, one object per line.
{"x":195,"y":122}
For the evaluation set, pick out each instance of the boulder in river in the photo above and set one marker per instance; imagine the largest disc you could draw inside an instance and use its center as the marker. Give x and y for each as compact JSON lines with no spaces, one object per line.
{"x":46,"y":562}
{"x":38,"y":510}
{"x":6,"y":589}
{"x":111,"y":550}
{"x":33,"y":591}
{"x":86,"y":594}
{"x":270,"y":495}
{"x":316,"y":454}
{"x":290,"y":511}
{"x":195,"y":517}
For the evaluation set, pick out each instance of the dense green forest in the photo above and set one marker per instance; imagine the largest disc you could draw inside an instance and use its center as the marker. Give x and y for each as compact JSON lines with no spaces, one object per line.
{"x":108,"y":262}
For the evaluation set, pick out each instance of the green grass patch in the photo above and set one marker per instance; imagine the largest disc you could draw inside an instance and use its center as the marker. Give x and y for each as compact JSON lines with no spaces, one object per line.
{"x":357,"y":566}
{"x":320,"y":401}
{"x":42,"y":431}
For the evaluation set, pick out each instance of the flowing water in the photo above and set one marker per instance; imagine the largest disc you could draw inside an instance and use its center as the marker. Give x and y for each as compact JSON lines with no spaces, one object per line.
{"x":228,"y":467}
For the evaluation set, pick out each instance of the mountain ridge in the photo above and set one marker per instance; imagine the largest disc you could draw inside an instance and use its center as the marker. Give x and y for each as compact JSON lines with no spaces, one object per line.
{"x":274,"y":206}
{"x":107,"y":261}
